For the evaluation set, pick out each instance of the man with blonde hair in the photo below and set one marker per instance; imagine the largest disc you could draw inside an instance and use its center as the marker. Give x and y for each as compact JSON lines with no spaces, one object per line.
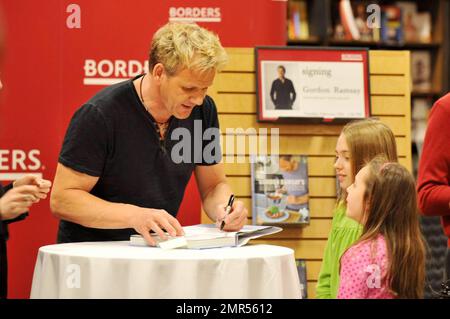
{"x":121,"y":169}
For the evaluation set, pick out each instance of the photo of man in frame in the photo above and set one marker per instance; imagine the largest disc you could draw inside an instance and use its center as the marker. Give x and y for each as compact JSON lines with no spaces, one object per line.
{"x":282,"y":92}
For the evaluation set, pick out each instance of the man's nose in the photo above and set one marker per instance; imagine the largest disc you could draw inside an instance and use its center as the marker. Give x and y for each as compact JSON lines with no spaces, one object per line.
{"x":197,"y":99}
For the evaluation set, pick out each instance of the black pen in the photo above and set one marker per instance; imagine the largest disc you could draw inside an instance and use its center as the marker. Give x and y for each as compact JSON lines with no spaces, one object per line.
{"x":227,"y":210}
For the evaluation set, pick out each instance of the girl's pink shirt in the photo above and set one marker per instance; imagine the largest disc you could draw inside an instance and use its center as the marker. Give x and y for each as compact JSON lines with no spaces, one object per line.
{"x":363,"y":271}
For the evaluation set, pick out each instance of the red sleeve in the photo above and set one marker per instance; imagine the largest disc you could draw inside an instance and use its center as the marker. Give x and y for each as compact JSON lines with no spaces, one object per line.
{"x":433,"y":183}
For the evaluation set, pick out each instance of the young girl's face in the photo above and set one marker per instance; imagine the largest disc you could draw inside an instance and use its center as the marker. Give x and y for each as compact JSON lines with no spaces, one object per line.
{"x":355,"y":197}
{"x":343,"y":165}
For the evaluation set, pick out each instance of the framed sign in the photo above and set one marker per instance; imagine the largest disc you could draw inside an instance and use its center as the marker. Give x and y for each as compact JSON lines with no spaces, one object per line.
{"x":312,"y":84}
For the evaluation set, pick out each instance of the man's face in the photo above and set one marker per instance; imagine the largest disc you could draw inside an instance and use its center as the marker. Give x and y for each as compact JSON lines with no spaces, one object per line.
{"x":280,"y":73}
{"x":181,"y":92}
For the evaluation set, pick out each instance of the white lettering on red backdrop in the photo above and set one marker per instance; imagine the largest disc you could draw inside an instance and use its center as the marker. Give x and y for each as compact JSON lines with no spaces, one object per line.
{"x":16,"y":163}
{"x":189,"y":14}
{"x":108,"y":72}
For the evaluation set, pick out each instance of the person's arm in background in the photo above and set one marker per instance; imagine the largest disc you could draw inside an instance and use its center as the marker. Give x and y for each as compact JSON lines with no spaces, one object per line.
{"x":294,"y":94}
{"x":434,"y":168}
{"x":273,"y":93}
{"x":20,"y":195}
{"x":215,"y":192}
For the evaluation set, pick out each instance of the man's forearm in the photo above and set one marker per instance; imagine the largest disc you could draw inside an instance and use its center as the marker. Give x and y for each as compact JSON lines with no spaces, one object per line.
{"x":81,"y":207}
{"x":219,"y":195}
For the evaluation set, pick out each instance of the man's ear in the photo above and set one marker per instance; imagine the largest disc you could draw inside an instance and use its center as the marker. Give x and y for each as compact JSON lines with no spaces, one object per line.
{"x":158,"y":71}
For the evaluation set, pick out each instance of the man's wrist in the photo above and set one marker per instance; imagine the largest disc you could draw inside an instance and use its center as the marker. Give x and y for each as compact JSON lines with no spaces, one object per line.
{"x":131,"y":214}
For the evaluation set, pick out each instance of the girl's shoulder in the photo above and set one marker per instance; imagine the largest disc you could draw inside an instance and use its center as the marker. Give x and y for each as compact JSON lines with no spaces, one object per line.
{"x":368,"y":251}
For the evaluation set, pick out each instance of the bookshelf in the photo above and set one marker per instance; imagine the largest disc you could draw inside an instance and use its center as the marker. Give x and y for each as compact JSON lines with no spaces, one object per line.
{"x":421,"y":27}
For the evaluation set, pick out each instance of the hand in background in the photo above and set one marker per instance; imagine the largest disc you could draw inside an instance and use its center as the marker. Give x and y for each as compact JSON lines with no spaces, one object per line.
{"x":32,"y":180}
{"x":17,"y":201}
{"x":25,"y":192}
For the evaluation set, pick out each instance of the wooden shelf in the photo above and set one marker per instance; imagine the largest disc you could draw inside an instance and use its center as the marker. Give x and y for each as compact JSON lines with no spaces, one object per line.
{"x":310,"y":41}
{"x":426,"y":94}
{"x":383,"y":45}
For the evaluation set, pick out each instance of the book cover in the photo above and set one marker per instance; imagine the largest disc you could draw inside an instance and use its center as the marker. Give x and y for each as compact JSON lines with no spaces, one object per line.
{"x":423,"y":25}
{"x":204,"y":236}
{"x":280,"y":192}
{"x":421,"y":70}
{"x":419,"y":119}
{"x":361,"y":16}
{"x":301,"y":269}
{"x":391,"y":24}
{"x":409,"y":20}
{"x":298,"y":27}
{"x":416,"y":25}
{"x":304,"y":25}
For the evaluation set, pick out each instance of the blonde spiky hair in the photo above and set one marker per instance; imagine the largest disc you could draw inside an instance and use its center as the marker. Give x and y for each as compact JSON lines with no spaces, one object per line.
{"x":186,"y":45}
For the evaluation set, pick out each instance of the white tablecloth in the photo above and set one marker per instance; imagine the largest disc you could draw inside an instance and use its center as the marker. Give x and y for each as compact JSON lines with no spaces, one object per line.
{"x":118,"y":270}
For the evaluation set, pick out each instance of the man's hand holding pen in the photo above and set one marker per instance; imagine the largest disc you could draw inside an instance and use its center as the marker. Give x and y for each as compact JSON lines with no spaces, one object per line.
{"x":231,"y":216}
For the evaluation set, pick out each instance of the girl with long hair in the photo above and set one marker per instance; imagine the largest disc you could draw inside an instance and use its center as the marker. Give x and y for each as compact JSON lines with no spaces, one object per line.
{"x":359,"y":142}
{"x":388,"y":260}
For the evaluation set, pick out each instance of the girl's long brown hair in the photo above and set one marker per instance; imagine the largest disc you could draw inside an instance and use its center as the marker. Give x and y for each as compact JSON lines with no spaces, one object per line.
{"x":391,"y":210}
{"x":366,"y":139}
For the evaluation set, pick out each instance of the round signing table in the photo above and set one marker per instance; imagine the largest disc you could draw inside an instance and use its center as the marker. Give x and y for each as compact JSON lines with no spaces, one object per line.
{"x":118,"y":270}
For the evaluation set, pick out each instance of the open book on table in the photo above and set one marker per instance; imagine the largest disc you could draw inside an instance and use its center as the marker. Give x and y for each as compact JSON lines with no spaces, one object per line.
{"x":208,"y":236}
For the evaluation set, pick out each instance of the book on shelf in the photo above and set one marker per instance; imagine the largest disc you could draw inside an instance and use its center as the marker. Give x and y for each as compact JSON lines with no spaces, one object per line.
{"x":409,"y":13}
{"x":416,"y":25}
{"x":204,"y":236}
{"x":391,"y":24}
{"x":301,"y":269}
{"x":419,"y":119}
{"x":298,"y":27}
{"x":280,"y":189}
{"x":423,"y":24}
{"x":361,"y":19}
{"x":421,"y":70}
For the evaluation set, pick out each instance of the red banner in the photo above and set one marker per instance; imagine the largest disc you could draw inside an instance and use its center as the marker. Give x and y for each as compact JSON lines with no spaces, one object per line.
{"x":59,"y":53}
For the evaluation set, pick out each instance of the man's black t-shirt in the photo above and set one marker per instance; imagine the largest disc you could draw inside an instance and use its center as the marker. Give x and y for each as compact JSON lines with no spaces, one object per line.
{"x":114,"y":138}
